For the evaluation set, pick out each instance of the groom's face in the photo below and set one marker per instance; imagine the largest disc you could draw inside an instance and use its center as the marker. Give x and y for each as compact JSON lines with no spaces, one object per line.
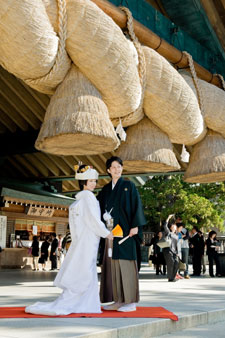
{"x":115,"y":170}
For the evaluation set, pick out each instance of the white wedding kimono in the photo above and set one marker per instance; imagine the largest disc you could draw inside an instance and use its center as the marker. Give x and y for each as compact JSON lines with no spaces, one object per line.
{"x":78,"y":274}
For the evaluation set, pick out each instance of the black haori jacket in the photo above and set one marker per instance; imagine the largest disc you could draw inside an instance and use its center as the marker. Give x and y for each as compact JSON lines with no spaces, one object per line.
{"x":127,"y":212}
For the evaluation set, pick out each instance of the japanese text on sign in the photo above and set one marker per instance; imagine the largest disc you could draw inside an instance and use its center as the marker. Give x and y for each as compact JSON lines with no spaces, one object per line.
{"x":36,"y":211}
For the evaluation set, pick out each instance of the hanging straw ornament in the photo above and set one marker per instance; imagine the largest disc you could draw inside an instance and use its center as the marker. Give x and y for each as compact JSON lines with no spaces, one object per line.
{"x":97,"y":45}
{"x":170,"y":103}
{"x":139,"y":57}
{"x":147,"y":149}
{"x":29,"y":46}
{"x":212,"y":97}
{"x":207,"y":160}
{"x":76,"y":120}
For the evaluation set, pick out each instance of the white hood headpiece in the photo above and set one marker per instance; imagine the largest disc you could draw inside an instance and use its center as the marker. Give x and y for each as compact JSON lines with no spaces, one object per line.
{"x":87,"y":173}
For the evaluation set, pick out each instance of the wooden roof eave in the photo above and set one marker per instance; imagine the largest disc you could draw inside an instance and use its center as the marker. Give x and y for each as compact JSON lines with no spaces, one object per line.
{"x":29,"y":198}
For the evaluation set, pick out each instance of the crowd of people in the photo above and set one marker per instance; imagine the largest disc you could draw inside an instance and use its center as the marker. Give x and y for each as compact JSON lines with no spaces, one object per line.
{"x":53,"y":247}
{"x":174,"y":245}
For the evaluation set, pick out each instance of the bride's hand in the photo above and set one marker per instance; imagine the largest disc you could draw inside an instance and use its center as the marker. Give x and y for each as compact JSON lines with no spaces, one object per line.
{"x":110,"y":236}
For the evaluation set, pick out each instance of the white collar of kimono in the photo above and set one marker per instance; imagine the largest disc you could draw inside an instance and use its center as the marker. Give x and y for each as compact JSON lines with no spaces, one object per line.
{"x":90,"y":174}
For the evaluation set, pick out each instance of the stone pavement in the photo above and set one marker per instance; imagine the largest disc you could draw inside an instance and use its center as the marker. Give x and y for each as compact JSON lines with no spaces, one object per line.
{"x":198,"y":301}
{"x":207,"y":331}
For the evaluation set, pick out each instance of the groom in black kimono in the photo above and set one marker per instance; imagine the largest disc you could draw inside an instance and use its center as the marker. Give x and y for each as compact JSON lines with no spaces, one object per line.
{"x":121,"y":199}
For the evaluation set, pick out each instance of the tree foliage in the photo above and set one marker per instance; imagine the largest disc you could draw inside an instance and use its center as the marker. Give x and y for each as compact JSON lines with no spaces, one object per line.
{"x":197,"y":204}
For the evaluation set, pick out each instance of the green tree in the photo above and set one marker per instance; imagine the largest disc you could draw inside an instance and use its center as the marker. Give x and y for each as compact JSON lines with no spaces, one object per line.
{"x":197,"y":204}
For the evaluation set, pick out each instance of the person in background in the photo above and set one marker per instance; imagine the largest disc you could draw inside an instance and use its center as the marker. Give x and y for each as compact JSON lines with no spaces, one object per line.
{"x":179,"y":245}
{"x":171,"y":253}
{"x":212,"y":247}
{"x":35,"y":253}
{"x":203,"y":254}
{"x":44,"y":252}
{"x":197,"y":245}
{"x":185,"y":250}
{"x":158,"y":257}
{"x":53,"y":253}
{"x":60,"y":255}
{"x":66,"y":240}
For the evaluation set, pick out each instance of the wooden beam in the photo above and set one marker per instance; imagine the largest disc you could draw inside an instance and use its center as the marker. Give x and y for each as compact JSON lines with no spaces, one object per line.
{"x":97,"y":163}
{"x":13,"y":114}
{"x":15,"y":85}
{"x":37,"y":164}
{"x":222,"y":2}
{"x":106,"y":156}
{"x":66,"y":186}
{"x":7,"y":170}
{"x":60,"y":163}
{"x":3,"y":129}
{"x":70,"y":160}
{"x":19,"y":106}
{"x":44,"y":159}
{"x":74,"y":185}
{"x":159,"y":6}
{"x":18,"y":166}
{"x":150,"y":39}
{"x":7,"y":122}
{"x":215,"y":20}
{"x":41,"y":98}
{"x":27,"y":165}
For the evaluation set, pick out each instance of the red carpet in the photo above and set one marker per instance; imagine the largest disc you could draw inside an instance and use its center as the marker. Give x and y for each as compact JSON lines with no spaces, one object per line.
{"x":142,"y":312}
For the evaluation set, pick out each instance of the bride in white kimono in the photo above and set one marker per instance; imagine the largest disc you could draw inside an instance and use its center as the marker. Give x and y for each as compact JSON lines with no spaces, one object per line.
{"x":78,"y":274}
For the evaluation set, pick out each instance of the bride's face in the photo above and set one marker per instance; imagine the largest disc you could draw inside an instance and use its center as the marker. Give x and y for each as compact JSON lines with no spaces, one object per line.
{"x":91,"y":184}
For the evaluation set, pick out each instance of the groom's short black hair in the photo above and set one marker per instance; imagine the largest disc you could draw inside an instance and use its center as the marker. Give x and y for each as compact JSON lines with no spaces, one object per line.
{"x":113,"y":159}
{"x":110,"y":161}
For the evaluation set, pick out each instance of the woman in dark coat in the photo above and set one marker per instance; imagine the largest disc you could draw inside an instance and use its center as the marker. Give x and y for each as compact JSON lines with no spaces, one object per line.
{"x":44,"y":252}
{"x":35,"y":252}
{"x":158,"y":257}
{"x":53,"y":253}
{"x":212,"y":247}
{"x":171,"y":253}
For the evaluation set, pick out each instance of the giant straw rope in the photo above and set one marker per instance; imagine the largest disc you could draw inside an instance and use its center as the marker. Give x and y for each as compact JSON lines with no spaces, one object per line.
{"x":60,"y":57}
{"x":138,"y":114}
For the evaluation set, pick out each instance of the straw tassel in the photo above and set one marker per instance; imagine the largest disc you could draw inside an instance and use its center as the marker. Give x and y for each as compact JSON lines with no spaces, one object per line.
{"x":76,"y":120}
{"x":207,"y":160}
{"x":147,"y":149}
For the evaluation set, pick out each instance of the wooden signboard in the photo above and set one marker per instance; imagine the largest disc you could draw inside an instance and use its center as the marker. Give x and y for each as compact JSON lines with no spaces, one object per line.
{"x":37,"y":211}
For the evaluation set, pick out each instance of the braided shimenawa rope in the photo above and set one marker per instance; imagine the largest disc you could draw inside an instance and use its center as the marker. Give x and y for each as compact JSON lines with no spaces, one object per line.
{"x":141,"y":56}
{"x":60,"y":57}
{"x":195,"y":80}
{"x":221,"y":79}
